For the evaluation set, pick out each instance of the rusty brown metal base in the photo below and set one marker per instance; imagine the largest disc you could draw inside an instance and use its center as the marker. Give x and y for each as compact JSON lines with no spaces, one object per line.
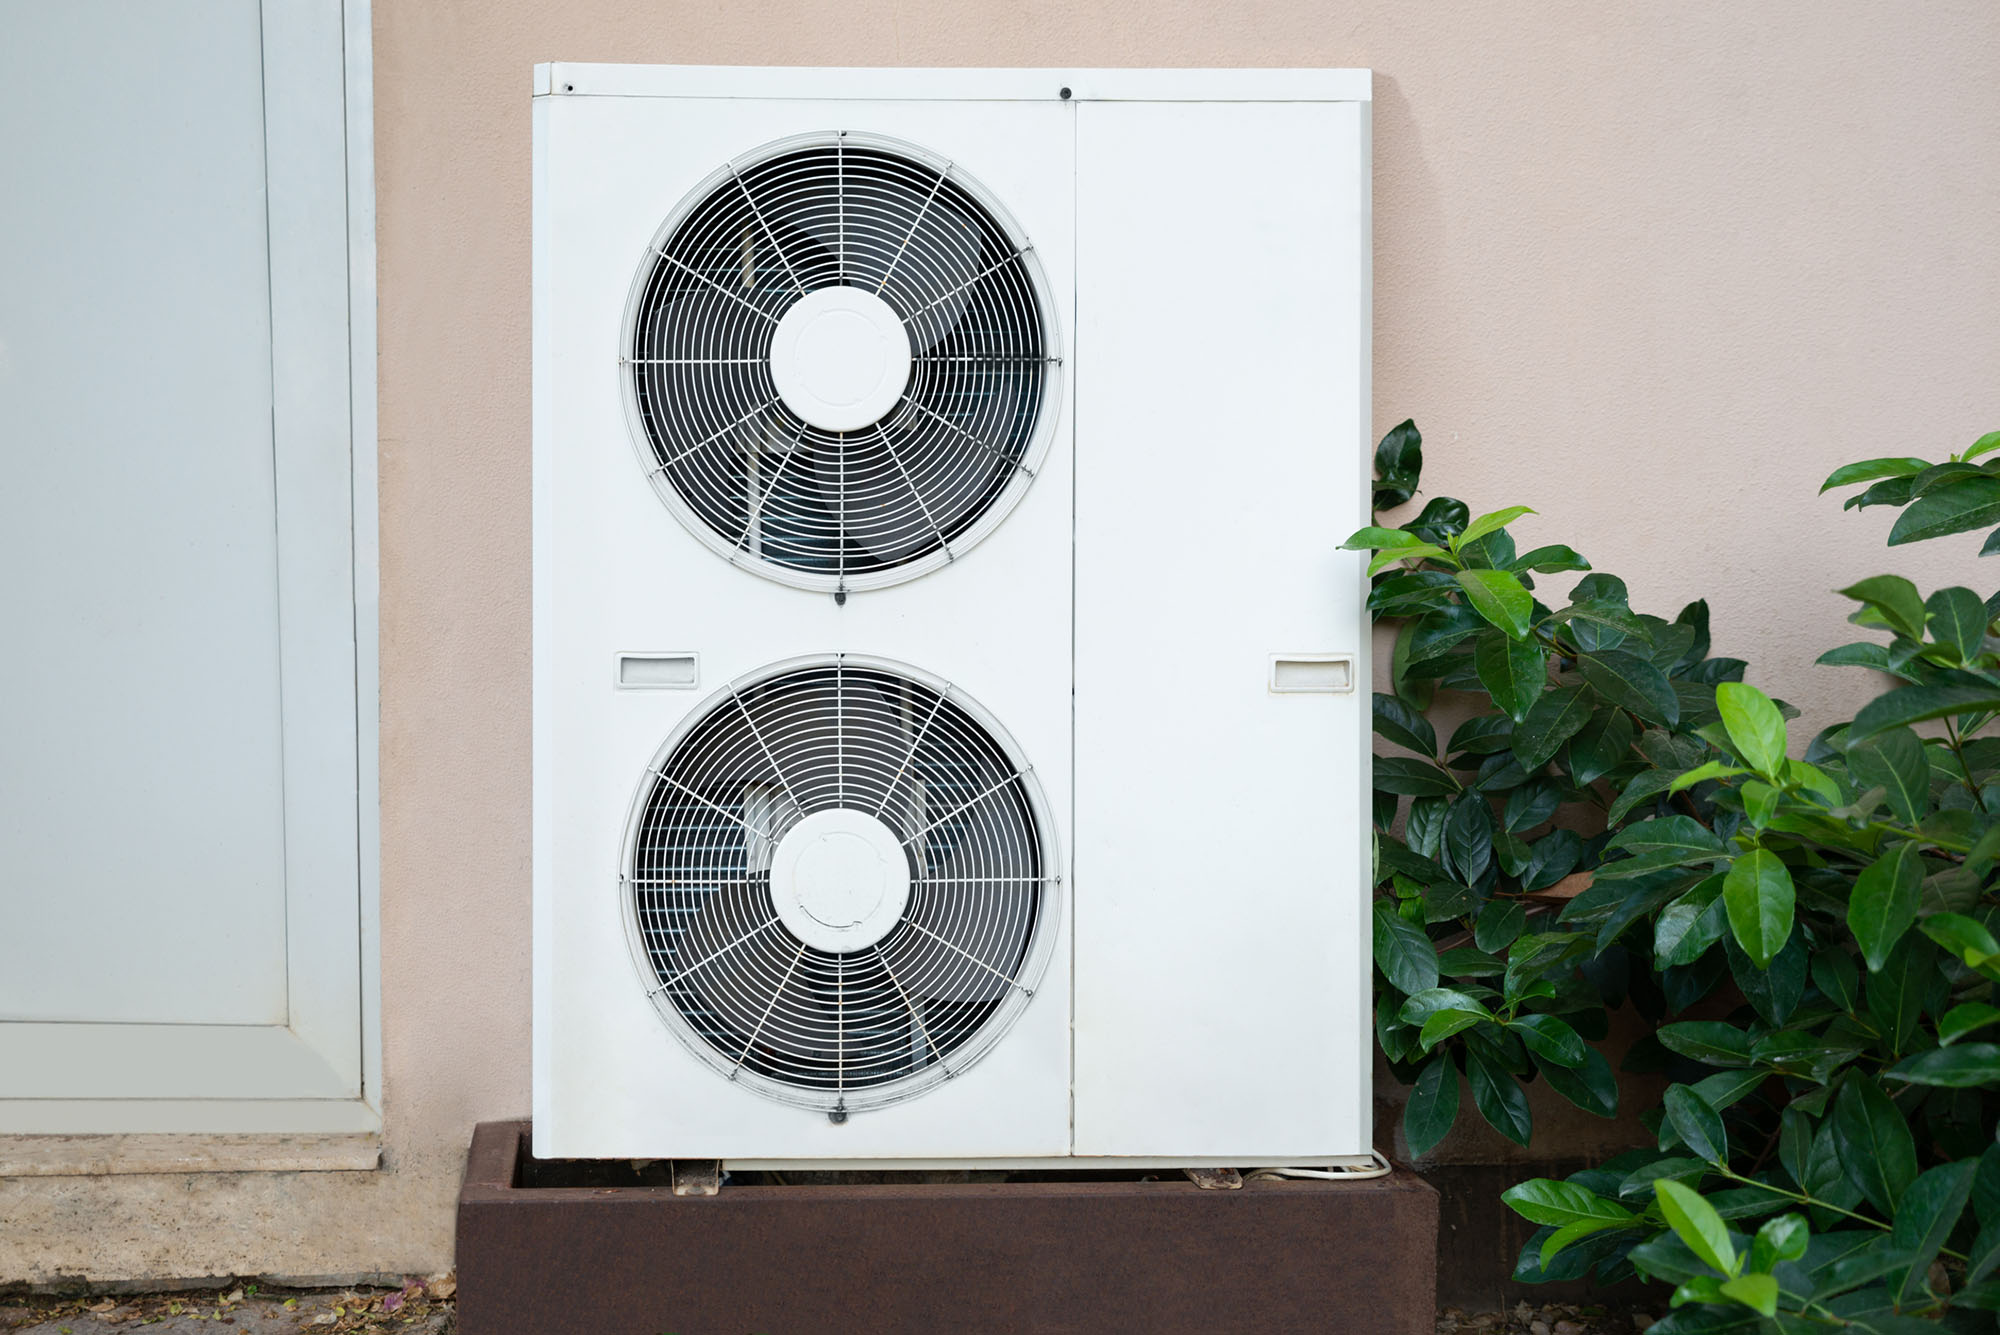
{"x":1091,"y":1257}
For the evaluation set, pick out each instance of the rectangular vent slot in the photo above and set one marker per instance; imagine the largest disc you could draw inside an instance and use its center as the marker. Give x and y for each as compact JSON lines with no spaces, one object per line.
{"x":674,"y":672}
{"x":1312,"y":672}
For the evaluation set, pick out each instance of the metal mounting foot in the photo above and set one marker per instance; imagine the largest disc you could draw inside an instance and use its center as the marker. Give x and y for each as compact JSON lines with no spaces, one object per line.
{"x":1208,"y":1179}
{"x":697,"y":1177}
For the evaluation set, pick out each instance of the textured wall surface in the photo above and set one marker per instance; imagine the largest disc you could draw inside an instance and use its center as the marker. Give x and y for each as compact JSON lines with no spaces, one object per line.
{"x":1653,"y":270}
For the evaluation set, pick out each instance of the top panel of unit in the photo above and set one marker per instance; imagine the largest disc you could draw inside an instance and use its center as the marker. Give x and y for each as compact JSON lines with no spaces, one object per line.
{"x":955,"y":85}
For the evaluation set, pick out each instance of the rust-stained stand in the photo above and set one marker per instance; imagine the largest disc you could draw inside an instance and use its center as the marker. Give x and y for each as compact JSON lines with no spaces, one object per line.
{"x":1088,"y":1256}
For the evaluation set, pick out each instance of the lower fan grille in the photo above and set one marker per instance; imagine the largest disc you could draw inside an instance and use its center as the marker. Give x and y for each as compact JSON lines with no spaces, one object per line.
{"x":840,"y":882}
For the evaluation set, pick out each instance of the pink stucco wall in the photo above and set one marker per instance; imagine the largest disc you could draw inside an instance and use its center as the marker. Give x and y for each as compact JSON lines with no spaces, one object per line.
{"x":1652,"y":269}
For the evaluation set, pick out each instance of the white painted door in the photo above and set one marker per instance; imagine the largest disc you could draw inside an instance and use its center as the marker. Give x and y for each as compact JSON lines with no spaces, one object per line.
{"x":179,"y":868}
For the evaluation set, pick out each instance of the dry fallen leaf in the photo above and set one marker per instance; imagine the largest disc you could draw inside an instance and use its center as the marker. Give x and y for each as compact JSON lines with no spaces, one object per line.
{"x":101,"y":1305}
{"x":1569,"y":887}
{"x":442,"y":1287}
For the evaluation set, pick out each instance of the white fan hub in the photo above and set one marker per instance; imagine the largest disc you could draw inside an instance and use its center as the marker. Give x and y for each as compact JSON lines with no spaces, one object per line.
{"x":841,"y":358}
{"x":840,"y":880}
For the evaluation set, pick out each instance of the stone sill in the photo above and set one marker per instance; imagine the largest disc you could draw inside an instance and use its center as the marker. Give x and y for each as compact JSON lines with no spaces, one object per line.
{"x":96,"y":1156}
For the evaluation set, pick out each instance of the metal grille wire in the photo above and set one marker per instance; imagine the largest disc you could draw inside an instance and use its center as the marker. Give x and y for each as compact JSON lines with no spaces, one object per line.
{"x":840,"y":1031}
{"x":855,"y":509}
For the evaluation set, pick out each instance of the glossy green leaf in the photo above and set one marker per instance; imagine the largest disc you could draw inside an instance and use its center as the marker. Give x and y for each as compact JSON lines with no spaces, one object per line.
{"x":1914,"y":704}
{"x":1675,"y":834}
{"x":1630,"y":682}
{"x":1835,"y":975}
{"x":1499,"y":597}
{"x":1442,"y":1024}
{"x":1773,"y":990}
{"x":1491,"y":523}
{"x":1695,"y":1289}
{"x":1983,"y":1255}
{"x":1759,"y":897}
{"x":1861,"y":653}
{"x":1433,"y":1105}
{"x":1530,"y":805}
{"x":1896,"y":993}
{"x":1958,"y":619}
{"x":1883,"y":903}
{"x":1399,"y":463}
{"x":1925,"y":1217}
{"x":1965,"y":1066}
{"x":1901,"y":606}
{"x":1877,"y":1151}
{"x":1869,"y":469}
{"x":1964,"y":503}
{"x":1695,"y":1222}
{"x":1702,"y":773}
{"x":1376,"y":538}
{"x":1639,"y":1182}
{"x":1698,"y":1124}
{"x":1756,"y":728}
{"x":1591,"y":1086}
{"x":1986,"y":444}
{"x":1967,"y":938}
{"x":1498,"y":924}
{"x":1556,"y":1242}
{"x":1549,"y":560}
{"x":1411,"y":777}
{"x":1689,"y":927}
{"x":1551,"y":1038}
{"x":1600,"y":746}
{"x":1552,"y":720}
{"x":1646,"y":785}
{"x":1963,"y":1019}
{"x":1826,"y":1171}
{"x":1422,"y":551}
{"x":1757,"y":1292}
{"x":1781,"y":1239}
{"x":1513,"y":671}
{"x":1470,"y":962}
{"x":1710,"y":1041}
{"x":1894,"y":761}
{"x":1725,"y":1089}
{"x":1545,"y":1200}
{"x":1420,"y":1006}
{"x":1499,"y":1098}
{"x":1403,"y":953}
{"x":1468,"y":837}
{"x":1760,"y":802}
{"x":1406,"y":727}
{"x":1482,"y":735}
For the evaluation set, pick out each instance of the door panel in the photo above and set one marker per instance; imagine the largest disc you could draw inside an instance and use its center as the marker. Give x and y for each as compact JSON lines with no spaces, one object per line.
{"x":179,"y":875}
{"x":1221,"y":826}
{"x":142,"y":738}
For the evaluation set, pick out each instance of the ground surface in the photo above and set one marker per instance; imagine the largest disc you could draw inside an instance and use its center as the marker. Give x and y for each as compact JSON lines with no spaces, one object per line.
{"x":1549,"y":1319}
{"x":426,"y":1309}
{"x":418,"y":1308}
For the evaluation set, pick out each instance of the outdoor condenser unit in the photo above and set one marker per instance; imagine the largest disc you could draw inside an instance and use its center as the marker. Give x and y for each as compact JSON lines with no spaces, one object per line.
{"x":950,"y":715}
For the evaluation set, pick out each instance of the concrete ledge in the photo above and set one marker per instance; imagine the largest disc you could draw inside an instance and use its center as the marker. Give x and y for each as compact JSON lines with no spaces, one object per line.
{"x":1077,"y":1254}
{"x":97,"y":1156}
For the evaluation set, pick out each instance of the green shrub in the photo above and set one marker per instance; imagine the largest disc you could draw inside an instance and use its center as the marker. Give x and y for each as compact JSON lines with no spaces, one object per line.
{"x":1826,"y":1149}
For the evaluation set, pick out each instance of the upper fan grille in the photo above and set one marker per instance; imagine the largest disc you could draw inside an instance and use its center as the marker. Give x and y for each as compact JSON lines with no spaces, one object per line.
{"x":945,"y":973}
{"x":887,"y":500}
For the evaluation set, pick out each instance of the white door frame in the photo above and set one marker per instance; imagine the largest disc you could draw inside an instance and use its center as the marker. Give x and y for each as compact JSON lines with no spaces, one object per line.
{"x":319,"y":1072}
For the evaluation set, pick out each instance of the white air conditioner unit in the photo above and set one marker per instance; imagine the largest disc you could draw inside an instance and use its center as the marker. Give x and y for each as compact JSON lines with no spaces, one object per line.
{"x":951,"y":716}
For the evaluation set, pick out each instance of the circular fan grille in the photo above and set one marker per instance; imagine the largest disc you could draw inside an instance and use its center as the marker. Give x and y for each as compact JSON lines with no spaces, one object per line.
{"x":892,"y":498}
{"x":911,"y":997}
